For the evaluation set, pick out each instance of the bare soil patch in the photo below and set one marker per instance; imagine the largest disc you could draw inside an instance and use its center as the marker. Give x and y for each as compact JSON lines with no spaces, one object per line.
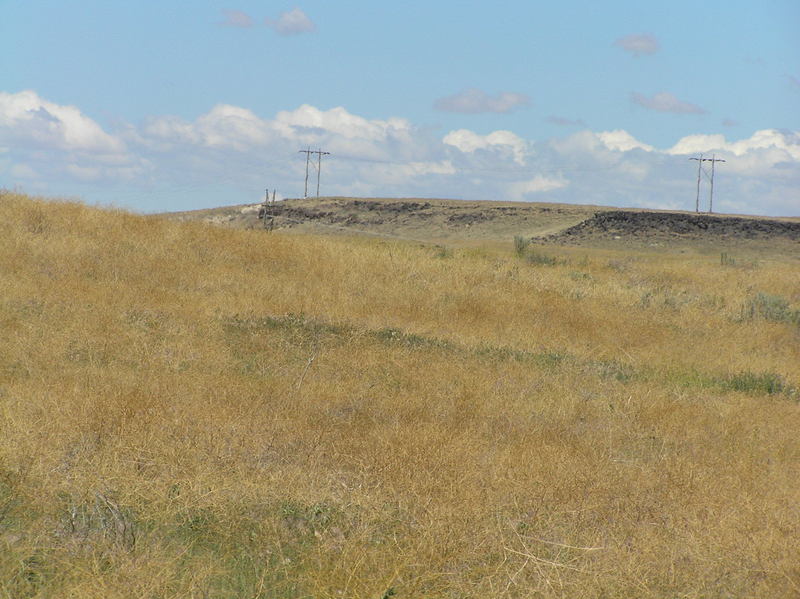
{"x":656,"y":228}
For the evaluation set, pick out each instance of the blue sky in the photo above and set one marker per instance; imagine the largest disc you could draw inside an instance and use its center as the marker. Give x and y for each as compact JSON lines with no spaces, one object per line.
{"x":176,"y":105}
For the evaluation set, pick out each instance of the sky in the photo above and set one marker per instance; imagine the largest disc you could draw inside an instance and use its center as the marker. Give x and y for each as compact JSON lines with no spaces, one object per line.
{"x":166,"y":105}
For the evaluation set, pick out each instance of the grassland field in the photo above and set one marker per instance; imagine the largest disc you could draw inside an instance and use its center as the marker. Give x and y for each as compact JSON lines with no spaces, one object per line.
{"x":193,"y":411}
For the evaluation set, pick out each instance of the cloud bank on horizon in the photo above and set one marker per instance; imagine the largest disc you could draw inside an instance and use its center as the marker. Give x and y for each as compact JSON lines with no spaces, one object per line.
{"x":44,"y":144}
{"x":564,"y":102}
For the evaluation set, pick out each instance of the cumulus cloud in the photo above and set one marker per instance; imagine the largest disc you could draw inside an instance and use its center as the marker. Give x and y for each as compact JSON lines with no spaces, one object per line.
{"x":311,"y":121}
{"x":787,"y":141}
{"x":293,"y":22}
{"x":502,"y":141}
{"x":666,"y":102}
{"x":638,"y":44}
{"x":767,"y":153}
{"x":521,"y":190}
{"x":225,"y":126}
{"x":474,"y":101}
{"x":392,"y":157}
{"x":230,"y":154}
{"x":622,"y":141}
{"x":27,"y":119}
{"x":42,"y":140}
{"x":236,"y":18}
{"x":603,"y":148}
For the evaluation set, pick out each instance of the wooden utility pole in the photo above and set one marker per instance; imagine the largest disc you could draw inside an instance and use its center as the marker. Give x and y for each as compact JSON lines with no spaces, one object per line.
{"x":697,"y":200}
{"x":710,"y":177}
{"x":307,"y":152}
{"x":320,"y":154}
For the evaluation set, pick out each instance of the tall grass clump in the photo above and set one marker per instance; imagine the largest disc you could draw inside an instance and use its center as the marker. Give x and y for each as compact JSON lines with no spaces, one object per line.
{"x":767,"y":382}
{"x":521,"y":245}
{"x":191,"y":411}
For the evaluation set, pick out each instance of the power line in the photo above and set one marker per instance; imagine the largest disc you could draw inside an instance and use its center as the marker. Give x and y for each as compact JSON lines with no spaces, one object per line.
{"x":308,"y":151}
{"x":701,"y":170}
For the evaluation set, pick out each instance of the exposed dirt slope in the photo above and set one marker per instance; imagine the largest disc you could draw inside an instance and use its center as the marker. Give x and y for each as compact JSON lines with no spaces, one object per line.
{"x":663,"y":227}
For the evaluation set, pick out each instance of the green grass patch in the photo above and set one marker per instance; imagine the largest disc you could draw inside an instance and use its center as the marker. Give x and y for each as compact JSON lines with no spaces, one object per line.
{"x":751,"y":383}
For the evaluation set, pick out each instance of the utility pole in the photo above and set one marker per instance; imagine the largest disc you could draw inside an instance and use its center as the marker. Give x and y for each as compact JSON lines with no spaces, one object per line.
{"x":308,"y":151}
{"x":710,"y":177}
{"x":697,"y":200}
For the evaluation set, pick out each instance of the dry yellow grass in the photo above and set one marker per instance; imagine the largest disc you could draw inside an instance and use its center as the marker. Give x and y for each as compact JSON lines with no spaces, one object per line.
{"x":187,"y":411}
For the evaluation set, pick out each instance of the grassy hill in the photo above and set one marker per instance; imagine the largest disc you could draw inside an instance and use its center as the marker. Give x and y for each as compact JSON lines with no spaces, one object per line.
{"x":195,"y":411}
{"x":481,"y":223}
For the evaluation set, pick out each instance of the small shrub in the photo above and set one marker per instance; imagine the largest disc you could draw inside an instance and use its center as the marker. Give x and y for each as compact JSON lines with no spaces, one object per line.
{"x":618,"y":265}
{"x":645,"y":299}
{"x":540,"y":259}
{"x":443,"y":252}
{"x":580,"y":276}
{"x":726,"y":260}
{"x":520,"y":245}
{"x":770,"y":307}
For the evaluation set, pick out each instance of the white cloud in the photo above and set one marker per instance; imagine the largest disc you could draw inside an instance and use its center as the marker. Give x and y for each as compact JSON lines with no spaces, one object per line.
{"x":474,"y":101}
{"x":46,"y":142}
{"x":408,"y":176}
{"x":223,"y":126}
{"x":635,"y":170}
{"x":310,"y":123}
{"x":27,"y":119}
{"x":293,"y":22}
{"x":638,"y":44}
{"x":230,"y":154}
{"x":666,"y":102}
{"x":231,"y":126}
{"x":622,"y":141}
{"x":786,"y":141}
{"x":766,"y":153}
{"x":236,"y":18}
{"x":503,"y":141}
{"x":444,"y":167}
{"x":604,"y":146}
{"x":521,"y":190}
